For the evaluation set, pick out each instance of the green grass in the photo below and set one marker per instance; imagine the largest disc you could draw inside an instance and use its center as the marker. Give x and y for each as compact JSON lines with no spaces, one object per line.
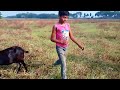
{"x":99,"y":60}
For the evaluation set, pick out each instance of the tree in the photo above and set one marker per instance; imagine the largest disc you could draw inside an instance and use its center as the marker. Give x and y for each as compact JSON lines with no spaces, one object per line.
{"x":86,"y":15}
{"x":76,"y":15}
{"x":90,"y":14}
{"x":79,"y":14}
{"x":117,"y":14}
{"x":0,"y":15}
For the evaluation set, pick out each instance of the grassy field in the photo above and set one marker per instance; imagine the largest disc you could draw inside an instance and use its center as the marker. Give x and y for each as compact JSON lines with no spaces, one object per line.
{"x":99,"y":60}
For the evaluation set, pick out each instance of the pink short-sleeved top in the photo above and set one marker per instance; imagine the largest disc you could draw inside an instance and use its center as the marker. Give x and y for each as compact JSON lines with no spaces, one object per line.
{"x":62,"y":33}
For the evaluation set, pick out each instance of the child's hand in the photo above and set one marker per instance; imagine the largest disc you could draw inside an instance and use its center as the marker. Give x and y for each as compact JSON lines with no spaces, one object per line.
{"x":81,"y":47}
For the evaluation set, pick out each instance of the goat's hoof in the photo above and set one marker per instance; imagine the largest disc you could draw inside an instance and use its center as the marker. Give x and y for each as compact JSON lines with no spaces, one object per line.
{"x":17,"y":72}
{"x":26,"y":71}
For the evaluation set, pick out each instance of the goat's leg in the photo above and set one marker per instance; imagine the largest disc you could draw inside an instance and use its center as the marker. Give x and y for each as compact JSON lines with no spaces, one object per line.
{"x":25,"y":66}
{"x":19,"y":67}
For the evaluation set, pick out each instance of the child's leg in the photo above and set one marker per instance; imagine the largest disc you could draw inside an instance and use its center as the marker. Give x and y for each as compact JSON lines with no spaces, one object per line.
{"x":62,"y":59}
{"x":63,"y":67}
{"x":57,"y":62}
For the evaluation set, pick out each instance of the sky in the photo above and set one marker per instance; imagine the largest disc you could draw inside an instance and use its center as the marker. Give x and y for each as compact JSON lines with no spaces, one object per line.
{"x":11,"y":13}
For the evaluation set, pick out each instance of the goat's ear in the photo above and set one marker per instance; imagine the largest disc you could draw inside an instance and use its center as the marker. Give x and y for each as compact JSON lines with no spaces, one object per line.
{"x":10,"y":50}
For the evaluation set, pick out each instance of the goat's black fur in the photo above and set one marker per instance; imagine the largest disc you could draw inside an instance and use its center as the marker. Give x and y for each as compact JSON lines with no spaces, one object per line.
{"x":11,"y":55}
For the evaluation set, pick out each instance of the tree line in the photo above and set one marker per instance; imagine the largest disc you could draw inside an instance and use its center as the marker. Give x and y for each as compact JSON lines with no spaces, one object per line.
{"x":100,"y":14}
{"x":108,"y":14}
{"x":42,"y":16}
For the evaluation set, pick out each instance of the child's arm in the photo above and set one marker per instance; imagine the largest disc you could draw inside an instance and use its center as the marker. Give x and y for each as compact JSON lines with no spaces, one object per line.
{"x":53,"y":37}
{"x":74,"y":40}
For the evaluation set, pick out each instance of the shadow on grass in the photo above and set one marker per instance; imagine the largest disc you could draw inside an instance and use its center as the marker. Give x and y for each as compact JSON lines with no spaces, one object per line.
{"x":30,"y":64}
{"x":35,"y":63}
{"x":93,"y":63}
{"x":8,"y":67}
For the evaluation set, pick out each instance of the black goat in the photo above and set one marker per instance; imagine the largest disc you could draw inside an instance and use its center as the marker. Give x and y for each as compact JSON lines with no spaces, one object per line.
{"x":11,"y":55}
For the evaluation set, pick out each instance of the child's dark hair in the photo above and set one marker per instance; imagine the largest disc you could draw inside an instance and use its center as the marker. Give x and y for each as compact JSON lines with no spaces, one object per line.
{"x":63,"y":13}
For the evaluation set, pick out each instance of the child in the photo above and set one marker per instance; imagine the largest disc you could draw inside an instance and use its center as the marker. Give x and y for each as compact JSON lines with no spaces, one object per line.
{"x":60,"y":35}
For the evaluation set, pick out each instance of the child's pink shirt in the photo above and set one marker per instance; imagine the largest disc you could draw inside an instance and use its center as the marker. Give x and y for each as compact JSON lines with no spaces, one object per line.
{"x":62,"y":33}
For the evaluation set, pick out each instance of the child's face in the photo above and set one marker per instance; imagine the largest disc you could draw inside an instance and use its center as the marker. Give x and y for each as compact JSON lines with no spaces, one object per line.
{"x":63,"y":18}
